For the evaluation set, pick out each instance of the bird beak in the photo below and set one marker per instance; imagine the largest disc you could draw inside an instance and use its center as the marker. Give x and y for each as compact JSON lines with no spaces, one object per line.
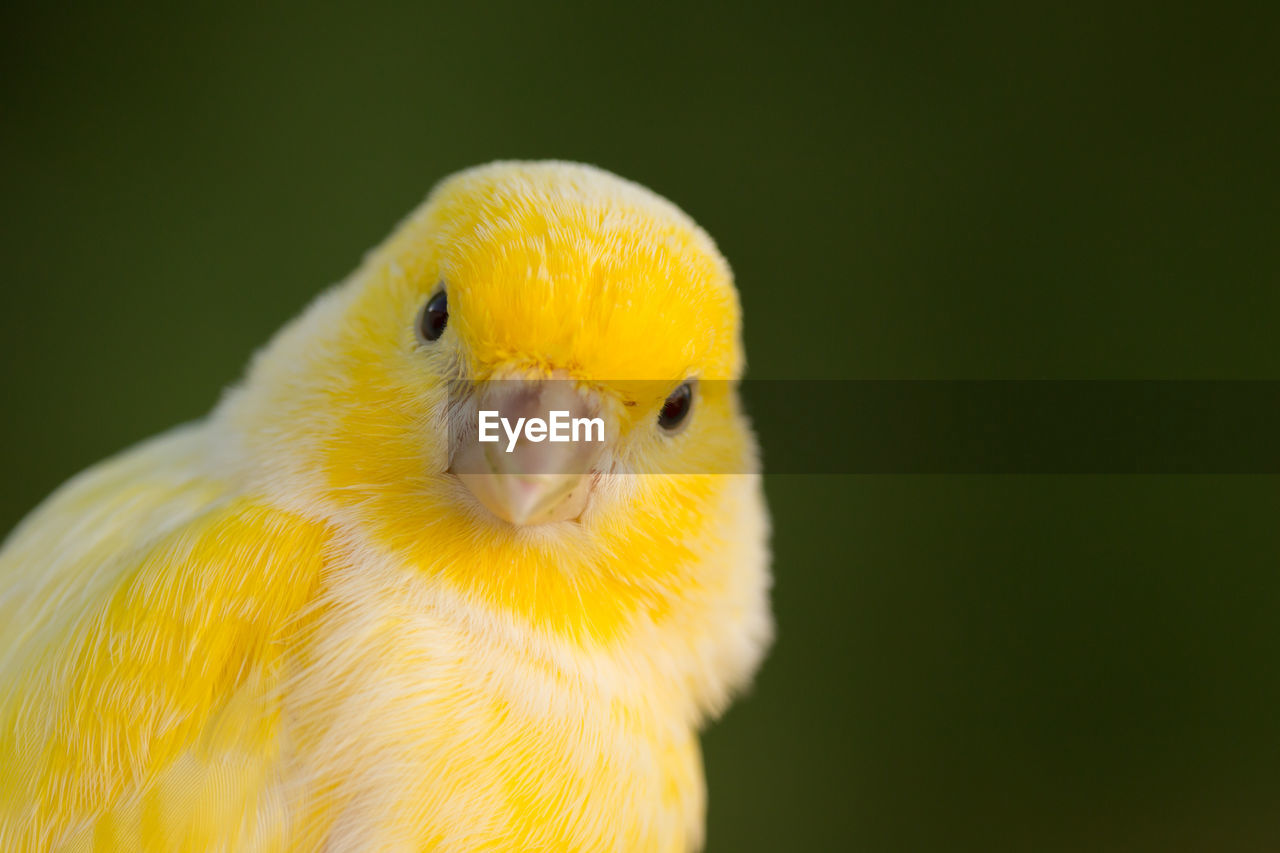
{"x":518,"y":478}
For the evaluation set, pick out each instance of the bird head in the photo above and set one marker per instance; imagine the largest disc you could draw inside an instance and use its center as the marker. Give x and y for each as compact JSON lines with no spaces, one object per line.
{"x":521,"y":289}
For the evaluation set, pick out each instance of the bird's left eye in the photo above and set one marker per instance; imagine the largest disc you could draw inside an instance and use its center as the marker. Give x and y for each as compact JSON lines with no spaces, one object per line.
{"x":676,"y":408}
{"x":435,"y":316}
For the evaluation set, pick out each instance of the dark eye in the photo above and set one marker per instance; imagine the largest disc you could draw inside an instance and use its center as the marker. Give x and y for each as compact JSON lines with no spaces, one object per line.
{"x":435,"y":316}
{"x":676,"y":408}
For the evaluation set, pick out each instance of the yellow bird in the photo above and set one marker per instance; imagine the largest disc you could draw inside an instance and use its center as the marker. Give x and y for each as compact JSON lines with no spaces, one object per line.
{"x":325,"y":618}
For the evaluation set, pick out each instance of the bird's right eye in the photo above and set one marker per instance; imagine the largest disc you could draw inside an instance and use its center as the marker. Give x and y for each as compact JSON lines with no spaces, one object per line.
{"x":435,"y":316}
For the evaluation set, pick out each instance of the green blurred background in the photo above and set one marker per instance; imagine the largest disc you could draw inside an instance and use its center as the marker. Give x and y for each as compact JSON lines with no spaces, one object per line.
{"x":1001,"y":190}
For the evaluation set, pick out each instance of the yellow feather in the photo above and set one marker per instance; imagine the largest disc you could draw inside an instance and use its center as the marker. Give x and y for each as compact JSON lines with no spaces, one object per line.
{"x":159,"y":687}
{"x":287,"y":628}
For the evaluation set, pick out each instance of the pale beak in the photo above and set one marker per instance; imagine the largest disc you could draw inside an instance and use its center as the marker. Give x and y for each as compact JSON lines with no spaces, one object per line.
{"x":535,"y":482}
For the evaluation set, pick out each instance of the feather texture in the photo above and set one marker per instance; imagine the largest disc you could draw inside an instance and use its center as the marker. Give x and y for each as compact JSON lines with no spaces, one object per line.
{"x":286,"y":627}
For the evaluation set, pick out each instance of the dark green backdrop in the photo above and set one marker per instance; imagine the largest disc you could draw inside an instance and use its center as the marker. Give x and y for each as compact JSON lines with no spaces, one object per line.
{"x":1003,"y":190}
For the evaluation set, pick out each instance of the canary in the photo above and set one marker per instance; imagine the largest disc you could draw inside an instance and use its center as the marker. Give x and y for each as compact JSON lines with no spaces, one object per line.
{"x":326,"y":617}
